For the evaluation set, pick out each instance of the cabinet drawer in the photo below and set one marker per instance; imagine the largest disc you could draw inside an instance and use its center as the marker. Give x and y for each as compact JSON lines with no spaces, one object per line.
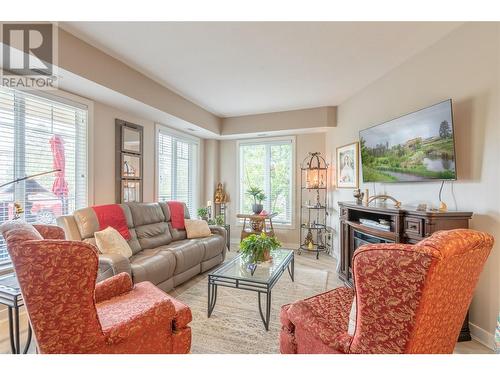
{"x":414,"y":226}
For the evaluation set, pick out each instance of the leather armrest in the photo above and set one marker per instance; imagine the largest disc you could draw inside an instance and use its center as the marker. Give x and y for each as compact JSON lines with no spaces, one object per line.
{"x":221,"y":231}
{"x":118,"y":263}
{"x":217,"y":229}
{"x":112,"y":287}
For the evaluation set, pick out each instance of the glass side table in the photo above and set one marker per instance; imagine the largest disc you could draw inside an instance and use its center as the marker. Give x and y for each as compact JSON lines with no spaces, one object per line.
{"x":10,"y":296}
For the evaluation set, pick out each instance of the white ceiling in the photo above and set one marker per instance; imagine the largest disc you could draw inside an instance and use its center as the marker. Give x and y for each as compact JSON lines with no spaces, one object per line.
{"x":240,"y":68}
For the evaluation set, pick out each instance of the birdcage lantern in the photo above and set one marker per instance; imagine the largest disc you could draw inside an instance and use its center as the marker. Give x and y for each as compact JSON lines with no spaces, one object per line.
{"x":315,"y":168}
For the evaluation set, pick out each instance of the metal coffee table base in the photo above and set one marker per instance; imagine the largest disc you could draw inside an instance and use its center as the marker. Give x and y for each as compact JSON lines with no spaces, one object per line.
{"x":260,"y":287}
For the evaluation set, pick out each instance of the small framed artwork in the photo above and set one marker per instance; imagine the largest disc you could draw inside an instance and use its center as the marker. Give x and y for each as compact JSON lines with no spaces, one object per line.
{"x":131,"y":166}
{"x":348,"y":166}
{"x":131,"y":191}
{"x":131,"y":139}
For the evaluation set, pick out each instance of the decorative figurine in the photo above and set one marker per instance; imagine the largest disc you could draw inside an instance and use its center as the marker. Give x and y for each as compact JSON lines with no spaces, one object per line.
{"x":358,"y":195}
{"x":309,"y":240}
{"x":220,"y":195}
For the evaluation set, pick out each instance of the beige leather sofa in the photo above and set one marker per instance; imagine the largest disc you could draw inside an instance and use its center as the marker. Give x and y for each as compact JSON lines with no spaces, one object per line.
{"x":161,"y":254}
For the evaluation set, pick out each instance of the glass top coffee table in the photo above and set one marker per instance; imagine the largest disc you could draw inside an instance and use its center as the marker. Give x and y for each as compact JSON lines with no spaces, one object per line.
{"x":238,"y":274}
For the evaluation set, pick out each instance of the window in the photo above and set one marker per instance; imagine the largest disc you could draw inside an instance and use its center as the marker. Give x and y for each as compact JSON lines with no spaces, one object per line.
{"x":39,"y":135}
{"x":268,"y":165}
{"x":177,"y":163}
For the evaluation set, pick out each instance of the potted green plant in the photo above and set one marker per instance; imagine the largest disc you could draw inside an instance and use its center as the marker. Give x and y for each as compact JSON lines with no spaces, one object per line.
{"x":219,"y":220}
{"x":257,"y":248}
{"x":258,"y":196}
{"x":202,"y":213}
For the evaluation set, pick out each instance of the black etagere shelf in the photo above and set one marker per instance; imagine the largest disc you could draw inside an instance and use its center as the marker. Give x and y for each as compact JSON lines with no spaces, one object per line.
{"x":314,"y":204}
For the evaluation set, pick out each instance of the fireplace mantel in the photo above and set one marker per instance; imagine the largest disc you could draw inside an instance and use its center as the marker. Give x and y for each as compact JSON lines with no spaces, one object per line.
{"x":407,"y":225}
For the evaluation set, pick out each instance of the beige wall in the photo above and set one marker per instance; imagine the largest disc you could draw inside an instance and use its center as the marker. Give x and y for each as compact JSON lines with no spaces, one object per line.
{"x":310,"y":118}
{"x":304,"y":143}
{"x":465,"y":66}
{"x":210,"y":165}
{"x":104,"y":155}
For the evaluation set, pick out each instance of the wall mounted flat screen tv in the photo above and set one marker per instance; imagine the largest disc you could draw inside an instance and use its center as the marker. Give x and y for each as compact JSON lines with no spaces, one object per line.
{"x":416,"y":147}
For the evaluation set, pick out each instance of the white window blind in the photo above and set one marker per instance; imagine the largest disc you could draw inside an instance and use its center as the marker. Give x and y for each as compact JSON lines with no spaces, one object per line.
{"x":268,"y":166}
{"x":177,"y":169}
{"x":39,"y":135}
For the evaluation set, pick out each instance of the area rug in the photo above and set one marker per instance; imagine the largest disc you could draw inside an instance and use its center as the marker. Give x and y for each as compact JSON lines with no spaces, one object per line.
{"x":235,"y":325}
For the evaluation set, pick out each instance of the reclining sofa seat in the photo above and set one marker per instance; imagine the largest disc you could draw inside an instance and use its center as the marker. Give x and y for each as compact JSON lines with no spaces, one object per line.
{"x":161,"y":254}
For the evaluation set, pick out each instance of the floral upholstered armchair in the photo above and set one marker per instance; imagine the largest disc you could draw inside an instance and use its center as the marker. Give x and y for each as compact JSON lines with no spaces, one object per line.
{"x":70,"y":313}
{"x":409,"y":299}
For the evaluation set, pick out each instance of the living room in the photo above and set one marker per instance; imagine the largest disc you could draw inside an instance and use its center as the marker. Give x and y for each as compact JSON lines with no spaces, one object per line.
{"x":255,"y":187}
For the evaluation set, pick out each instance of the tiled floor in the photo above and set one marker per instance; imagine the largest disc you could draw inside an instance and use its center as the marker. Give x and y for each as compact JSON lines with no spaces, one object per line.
{"x":324,"y":263}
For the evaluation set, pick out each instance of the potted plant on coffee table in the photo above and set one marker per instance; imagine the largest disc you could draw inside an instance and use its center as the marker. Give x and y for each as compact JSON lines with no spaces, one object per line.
{"x":257,"y":248}
{"x":258,"y":196}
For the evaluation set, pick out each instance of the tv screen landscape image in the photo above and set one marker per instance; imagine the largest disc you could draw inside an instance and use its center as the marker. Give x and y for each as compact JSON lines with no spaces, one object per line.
{"x":415,"y":147}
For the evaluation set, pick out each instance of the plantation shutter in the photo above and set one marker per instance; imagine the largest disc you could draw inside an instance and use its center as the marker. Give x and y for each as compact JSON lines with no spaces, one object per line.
{"x":30,"y":126}
{"x":268,"y":166}
{"x":177,"y":169}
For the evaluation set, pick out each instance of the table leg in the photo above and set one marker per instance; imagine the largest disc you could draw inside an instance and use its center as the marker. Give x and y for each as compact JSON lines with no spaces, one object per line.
{"x":16,"y":330}
{"x":11,"y":332}
{"x":212,"y":297}
{"x":291,"y":269}
{"x":267,"y":318}
{"x":28,"y":340}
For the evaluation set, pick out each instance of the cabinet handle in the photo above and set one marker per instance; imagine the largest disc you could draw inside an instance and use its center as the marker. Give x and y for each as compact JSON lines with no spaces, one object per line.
{"x":413,"y":226}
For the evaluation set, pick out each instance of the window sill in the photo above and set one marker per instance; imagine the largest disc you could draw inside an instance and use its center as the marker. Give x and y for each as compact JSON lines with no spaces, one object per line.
{"x":6,"y":269}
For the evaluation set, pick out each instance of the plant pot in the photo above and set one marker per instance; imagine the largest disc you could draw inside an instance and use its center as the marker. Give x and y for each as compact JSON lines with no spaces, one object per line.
{"x":267,"y":255}
{"x":257,"y":208}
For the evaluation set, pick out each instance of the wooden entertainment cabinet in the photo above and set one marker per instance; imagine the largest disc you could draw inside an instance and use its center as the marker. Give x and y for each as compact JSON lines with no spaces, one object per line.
{"x":407,"y":225}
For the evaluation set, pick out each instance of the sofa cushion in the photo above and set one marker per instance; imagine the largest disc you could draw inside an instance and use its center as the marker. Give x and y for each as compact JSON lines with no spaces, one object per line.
{"x":153,"y":235}
{"x":188,"y":253}
{"x":146,"y":213}
{"x":166,"y":211}
{"x":177,"y":234}
{"x":133,"y":242}
{"x":213,"y":246}
{"x":155,"y":265}
{"x":110,"y":241}
{"x":197,"y":228}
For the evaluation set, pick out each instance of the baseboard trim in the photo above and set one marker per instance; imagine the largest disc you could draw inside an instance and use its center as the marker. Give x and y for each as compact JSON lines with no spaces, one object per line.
{"x":482,"y":336}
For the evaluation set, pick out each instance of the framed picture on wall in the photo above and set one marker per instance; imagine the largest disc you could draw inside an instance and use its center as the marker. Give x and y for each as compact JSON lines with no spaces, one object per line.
{"x":131,"y":166}
{"x":129,"y":161}
{"x":131,"y":191}
{"x":348,"y":166}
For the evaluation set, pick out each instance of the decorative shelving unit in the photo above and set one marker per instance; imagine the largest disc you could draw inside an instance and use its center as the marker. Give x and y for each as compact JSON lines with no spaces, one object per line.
{"x":313,"y":200}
